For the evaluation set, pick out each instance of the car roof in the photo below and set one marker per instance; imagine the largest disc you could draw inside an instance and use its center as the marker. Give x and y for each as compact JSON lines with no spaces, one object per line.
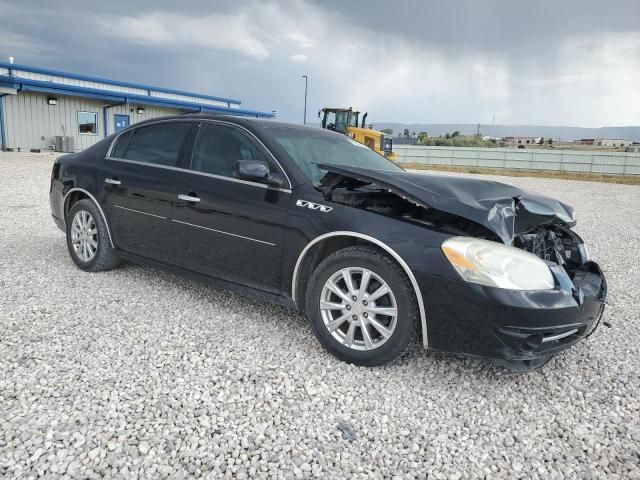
{"x":238,"y":119}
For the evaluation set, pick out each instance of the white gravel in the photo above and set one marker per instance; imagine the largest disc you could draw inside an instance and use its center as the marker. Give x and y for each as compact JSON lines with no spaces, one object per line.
{"x":136,"y":373}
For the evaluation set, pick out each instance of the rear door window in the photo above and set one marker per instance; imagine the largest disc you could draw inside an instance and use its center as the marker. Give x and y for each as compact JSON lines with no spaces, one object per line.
{"x":159,"y":144}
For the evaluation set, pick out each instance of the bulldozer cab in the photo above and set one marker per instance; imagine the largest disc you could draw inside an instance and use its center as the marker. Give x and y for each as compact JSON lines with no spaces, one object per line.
{"x":339,"y":119}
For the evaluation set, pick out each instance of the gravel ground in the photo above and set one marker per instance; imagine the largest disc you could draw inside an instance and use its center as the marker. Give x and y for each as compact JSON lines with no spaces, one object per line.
{"x":136,"y":373}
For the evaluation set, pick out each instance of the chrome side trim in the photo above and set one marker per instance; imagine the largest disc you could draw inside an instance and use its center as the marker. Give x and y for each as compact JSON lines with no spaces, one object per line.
{"x":188,"y":198}
{"x":146,"y":164}
{"x":237,"y":180}
{"x":224,"y":233}
{"x":559,"y":336}
{"x":64,"y":202}
{"x":398,"y":258}
{"x":194,"y":172}
{"x":139,"y":211}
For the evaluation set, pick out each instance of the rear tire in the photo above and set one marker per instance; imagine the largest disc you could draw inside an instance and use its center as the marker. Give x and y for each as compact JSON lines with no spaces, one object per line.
{"x":370,"y":326}
{"x":88,"y":238}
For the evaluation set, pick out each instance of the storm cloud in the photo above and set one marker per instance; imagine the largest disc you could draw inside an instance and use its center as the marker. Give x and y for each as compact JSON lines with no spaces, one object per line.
{"x":549,"y":63}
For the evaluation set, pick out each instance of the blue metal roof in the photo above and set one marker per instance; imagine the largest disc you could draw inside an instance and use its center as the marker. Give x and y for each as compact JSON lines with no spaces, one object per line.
{"x":13,"y":80}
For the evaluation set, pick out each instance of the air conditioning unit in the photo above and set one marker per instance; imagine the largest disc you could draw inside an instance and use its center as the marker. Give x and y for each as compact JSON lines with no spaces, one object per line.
{"x":65,"y":144}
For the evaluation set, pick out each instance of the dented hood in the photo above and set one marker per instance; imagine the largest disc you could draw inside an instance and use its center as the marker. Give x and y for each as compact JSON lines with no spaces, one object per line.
{"x":502,"y":208}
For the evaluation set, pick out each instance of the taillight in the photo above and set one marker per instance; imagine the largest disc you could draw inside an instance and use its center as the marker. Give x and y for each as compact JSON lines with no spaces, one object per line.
{"x":54,"y":170}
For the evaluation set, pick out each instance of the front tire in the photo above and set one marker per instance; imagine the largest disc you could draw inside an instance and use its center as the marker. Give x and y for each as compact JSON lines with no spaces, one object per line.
{"x":361,"y":306}
{"x":88,"y":238}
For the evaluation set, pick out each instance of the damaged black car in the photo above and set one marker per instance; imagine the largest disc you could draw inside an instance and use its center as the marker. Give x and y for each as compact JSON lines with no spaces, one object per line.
{"x":377,"y":257}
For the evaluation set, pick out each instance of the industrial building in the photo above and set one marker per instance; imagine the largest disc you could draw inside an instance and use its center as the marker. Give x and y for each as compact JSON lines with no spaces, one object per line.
{"x":42,"y":109}
{"x":522,"y":140}
{"x":613,"y":142}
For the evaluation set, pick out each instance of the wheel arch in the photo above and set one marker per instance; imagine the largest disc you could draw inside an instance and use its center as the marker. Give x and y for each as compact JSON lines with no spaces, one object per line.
{"x":328,"y":243}
{"x":74,"y":195}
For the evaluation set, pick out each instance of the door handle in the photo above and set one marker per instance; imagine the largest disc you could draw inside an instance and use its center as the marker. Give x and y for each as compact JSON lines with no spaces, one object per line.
{"x":188,"y":198}
{"x":112,"y":181}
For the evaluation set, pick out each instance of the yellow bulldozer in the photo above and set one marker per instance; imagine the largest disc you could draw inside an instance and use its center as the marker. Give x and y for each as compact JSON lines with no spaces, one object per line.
{"x":346,"y":120}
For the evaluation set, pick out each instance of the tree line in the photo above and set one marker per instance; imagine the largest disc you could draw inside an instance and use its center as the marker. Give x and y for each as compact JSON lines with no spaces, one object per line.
{"x":455,"y":139}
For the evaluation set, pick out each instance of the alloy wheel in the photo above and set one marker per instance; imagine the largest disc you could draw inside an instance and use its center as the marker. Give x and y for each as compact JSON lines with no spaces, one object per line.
{"x":358,"y":308}
{"x":84,"y":236}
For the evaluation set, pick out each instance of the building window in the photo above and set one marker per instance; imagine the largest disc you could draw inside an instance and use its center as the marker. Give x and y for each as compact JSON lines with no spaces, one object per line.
{"x":87,"y":123}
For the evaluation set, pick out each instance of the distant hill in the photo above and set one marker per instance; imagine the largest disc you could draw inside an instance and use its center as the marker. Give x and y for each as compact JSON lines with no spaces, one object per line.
{"x":566,"y":134}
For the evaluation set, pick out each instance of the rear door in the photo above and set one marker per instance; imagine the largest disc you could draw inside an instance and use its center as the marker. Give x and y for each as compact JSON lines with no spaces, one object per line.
{"x":138,"y":186}
{"x":235,"y":228}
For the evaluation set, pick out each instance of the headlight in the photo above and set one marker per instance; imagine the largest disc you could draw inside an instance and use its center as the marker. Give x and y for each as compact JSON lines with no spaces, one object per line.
{"x":496,"y":265}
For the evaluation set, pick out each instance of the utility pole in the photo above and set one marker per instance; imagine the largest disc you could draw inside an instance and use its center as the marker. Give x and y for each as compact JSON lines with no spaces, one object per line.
{"x":306,"y":80}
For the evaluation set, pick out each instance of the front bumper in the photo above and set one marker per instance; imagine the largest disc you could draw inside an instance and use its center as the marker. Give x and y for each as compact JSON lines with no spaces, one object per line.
{"x":512,"y":325}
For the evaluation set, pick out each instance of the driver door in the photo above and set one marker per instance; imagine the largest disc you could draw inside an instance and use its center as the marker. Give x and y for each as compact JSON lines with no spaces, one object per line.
{"x":226,"y":227}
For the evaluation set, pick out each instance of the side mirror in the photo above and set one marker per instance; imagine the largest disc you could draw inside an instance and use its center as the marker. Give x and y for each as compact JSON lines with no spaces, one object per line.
{"x":257,"y":171}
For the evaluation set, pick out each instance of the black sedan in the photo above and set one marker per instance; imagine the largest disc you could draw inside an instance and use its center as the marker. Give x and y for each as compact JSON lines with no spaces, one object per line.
{"x":376,"y":256}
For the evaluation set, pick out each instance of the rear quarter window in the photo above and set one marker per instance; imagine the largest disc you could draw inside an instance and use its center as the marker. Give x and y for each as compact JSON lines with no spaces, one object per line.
{"x":121,"y":144}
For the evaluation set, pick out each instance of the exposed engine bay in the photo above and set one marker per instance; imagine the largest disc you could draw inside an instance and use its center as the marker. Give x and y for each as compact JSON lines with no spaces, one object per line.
{"x":388,"y":203}
{"x":554,"y":243}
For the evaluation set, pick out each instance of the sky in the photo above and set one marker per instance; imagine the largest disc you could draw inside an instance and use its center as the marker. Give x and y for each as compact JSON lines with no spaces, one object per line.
{"x":560,"y":62}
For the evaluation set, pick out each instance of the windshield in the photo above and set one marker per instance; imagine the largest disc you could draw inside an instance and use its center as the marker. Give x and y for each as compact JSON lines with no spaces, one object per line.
{"x":308,"y":147}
